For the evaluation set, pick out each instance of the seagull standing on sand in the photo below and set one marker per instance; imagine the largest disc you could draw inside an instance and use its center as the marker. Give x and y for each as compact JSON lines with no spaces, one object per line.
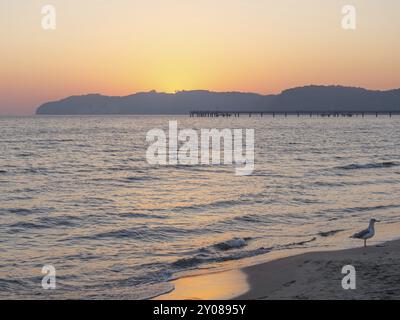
{"x":367,"y":233}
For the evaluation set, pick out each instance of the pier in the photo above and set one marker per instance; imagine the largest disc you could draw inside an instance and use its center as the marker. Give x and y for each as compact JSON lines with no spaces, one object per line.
{"x":237,"y":114}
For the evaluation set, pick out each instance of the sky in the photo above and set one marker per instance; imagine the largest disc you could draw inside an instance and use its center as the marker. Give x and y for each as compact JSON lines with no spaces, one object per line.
{"x":125,"y":46}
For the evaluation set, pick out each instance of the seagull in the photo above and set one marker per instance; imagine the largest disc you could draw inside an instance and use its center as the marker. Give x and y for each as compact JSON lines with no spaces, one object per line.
{"x":367,"y":233}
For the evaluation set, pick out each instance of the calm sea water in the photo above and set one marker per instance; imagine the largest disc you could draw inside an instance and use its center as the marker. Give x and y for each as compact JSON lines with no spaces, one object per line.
{"x":78,"y":194}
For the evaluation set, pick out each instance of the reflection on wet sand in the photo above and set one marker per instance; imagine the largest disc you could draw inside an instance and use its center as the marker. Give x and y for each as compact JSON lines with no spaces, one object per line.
{"x":221,"y":285}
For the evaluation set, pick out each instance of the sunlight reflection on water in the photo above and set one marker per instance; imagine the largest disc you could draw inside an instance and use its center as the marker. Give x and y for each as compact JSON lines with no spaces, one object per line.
{"x":77,"y":193}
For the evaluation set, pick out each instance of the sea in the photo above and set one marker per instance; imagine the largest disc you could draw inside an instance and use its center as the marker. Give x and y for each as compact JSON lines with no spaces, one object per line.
{"x":78,"y":194}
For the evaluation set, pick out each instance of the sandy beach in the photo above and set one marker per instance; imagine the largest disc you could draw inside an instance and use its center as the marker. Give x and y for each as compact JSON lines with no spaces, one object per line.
{"x":307,"y":276}
{"x":318,"y":275}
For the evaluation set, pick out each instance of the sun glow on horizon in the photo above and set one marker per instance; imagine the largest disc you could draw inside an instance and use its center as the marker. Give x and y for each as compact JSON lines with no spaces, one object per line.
{"x":125,"y":47}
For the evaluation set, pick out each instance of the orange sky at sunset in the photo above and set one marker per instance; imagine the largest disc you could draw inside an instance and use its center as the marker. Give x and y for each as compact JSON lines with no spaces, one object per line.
{"x":121,"y":47}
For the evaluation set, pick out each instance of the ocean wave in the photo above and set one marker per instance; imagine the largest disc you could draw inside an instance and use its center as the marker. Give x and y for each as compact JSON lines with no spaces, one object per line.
{"x":330,"y":233}
{"x":188,"y":262}
{"x":202,"y":207}
{"x":146,"y":178}
{"x":23,"y":226}
{"x":230,"y":250}
{"x":123,"y":180}
{"x":134,"y":233}
{"x":232,"y":244}
{"x":248,"y":200}
{"x":334,"y":214}
{"x":43,"y":223}
{"x":82,"y":257}
{"x":195,"y":261}
{"x":262,"y":218}
{"x":135,"y":215}
{"x":21,"y":211}
{"x":36,"y":170}
{"x":25,"y":154}
{"x":248,"y":218}
{"x":296,"y":244}
{"x":354,"y":183}
{"x":332,"y":184}
{"x":218,"y":252}
{"x":144,"y":233}
{"x":10,"y":285}
{"x":371,"y":165}
{"x":63,"y":221}
{"x":372,"y":208}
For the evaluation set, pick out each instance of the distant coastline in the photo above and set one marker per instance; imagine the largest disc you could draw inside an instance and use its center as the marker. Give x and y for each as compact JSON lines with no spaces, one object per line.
{"x":311,"y":98}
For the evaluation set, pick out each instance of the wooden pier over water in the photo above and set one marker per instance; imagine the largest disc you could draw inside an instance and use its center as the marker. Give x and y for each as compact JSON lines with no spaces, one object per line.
{"x":227,"y":114}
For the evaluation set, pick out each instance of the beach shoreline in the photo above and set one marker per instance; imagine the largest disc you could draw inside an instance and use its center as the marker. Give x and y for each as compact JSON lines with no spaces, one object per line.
{"x":318,"y":275}
{"x":306,"y":276}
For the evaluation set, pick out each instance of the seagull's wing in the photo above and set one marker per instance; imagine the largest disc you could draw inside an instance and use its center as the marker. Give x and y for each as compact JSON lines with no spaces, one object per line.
{"x":360,"y":234}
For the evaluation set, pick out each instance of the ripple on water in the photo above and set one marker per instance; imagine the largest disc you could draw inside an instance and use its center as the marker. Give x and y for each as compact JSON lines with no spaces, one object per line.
{"x":119,"y":227}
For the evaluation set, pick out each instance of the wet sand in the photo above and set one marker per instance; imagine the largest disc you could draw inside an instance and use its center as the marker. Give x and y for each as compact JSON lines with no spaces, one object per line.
{"x":313,"y":275}
{"x":211,"y":286}
{"x":318,"y":275}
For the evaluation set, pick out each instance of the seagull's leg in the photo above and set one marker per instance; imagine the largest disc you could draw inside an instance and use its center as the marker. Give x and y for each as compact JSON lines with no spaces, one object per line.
{"x":365,"y":243}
